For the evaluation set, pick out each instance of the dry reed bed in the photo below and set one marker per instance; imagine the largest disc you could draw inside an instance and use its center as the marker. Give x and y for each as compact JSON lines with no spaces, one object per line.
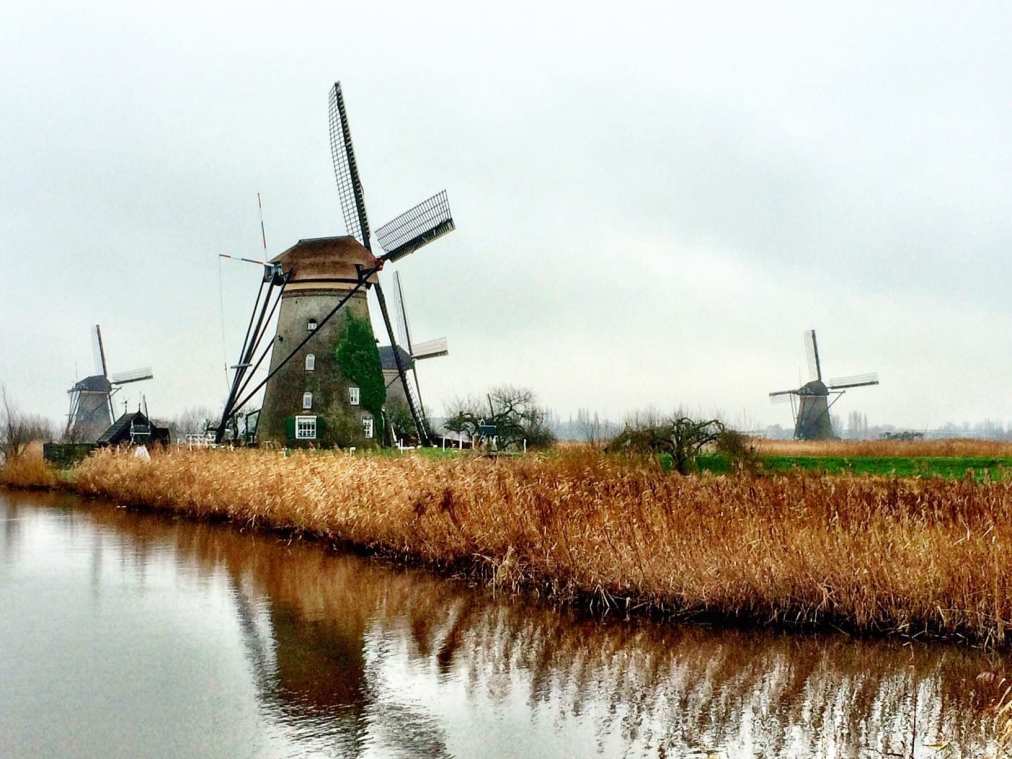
{"x":885,"y":555}
{"x":700,"y":685}
{"x":949,"y":447}
{"x":29,"y":471}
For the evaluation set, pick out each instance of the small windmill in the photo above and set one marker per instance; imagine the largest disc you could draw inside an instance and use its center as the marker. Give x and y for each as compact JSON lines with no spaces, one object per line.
{"x":91,"y":412}
{"x":417,"y":351}
{"x":811,"y":402}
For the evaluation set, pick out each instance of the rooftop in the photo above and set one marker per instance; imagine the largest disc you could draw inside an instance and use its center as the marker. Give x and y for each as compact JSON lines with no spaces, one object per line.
{"x":93,"y":384}
{"x":387,"y":358}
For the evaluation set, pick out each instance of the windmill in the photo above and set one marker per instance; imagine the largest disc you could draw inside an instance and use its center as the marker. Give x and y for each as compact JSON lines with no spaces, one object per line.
{"x":322,"y":276}
{"x":812,"y":401}
{"x":415,"y":351}
{"x":91,"y":411}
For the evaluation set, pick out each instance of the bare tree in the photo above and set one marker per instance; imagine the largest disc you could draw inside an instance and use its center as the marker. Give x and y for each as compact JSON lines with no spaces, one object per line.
{"x":463,"y":416}
{"x":17,"y":429}
{"x":191,"y":420}
{"x":512,"y":411}
{"x":589,"y":427}
{"x":680,"y":437}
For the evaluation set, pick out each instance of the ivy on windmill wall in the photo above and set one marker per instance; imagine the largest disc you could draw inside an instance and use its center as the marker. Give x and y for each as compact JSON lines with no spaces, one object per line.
{"x":359,"y":360}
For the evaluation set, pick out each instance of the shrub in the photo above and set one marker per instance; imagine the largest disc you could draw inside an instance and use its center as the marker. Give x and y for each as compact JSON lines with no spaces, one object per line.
{"x":739,"y":449}
{"x":28,"y":470}
{"x":681,"y":438}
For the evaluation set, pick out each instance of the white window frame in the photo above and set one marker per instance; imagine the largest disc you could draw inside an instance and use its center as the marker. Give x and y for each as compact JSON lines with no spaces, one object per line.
{"x":354,"y":396}
{"x":310,"y":362}
{"x":307,"y":401}
{"x":367,"y":426}
{"x":305,"y":428}
{"x":311,"y":325}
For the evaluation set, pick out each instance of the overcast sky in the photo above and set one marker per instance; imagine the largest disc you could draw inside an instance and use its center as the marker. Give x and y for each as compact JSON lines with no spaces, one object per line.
{"x":653,"y":201}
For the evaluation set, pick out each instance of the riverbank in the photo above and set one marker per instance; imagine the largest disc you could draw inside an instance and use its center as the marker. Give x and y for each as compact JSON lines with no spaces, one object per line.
{"x":282,"y":630}
{"x":916,"y":557}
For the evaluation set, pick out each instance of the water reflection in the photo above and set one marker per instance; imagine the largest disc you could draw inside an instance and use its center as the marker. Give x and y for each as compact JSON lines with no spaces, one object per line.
{"x":331,"y":654}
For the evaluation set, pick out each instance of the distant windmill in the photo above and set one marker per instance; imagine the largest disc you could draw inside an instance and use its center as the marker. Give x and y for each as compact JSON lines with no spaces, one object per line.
{"x":415,"y":351}
{"x":91,"y":411}
{"x":811,"y":402}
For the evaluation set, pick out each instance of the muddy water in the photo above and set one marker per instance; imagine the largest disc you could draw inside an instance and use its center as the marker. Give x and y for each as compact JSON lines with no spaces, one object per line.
{"x":126,"y":634}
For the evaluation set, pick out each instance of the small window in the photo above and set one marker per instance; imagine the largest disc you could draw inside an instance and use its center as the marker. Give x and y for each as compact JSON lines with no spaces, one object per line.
{"x":310,"y":362}
{"x":367,"y":426}
{"x":311,"y":325}
{"x":354,"y":396}
{"x":307,"y":401}
{"x":305,"y":428}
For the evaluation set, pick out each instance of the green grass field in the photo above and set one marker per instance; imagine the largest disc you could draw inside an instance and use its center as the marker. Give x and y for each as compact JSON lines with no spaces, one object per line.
{"x":947,"y":467}
{"x":955,"y":467}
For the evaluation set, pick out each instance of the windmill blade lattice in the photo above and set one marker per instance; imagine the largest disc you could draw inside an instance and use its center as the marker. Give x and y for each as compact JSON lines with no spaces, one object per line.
{"x":349,"y":185}
{"x":416,"y":227}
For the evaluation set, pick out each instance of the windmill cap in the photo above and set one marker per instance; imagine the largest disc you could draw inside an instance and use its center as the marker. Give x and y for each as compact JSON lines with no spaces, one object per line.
{"x":325,"y":263}
{"x":93,"y":384}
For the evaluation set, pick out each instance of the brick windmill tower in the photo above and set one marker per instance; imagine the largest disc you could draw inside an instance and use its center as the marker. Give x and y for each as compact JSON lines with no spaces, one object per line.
{"x":325,"y":381}
{"x":309,"y":383}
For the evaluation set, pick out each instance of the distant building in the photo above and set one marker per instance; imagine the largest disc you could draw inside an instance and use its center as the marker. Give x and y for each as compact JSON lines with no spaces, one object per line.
{"x":134,"y":428}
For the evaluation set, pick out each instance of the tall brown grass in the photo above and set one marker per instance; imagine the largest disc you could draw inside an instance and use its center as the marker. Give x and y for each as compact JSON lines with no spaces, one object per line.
{"x":29,"y":470}
{"x":893,"y":448}
{"x":918,"y":557}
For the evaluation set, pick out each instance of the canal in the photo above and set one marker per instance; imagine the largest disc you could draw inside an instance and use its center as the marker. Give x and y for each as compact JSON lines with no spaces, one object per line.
{"x":127,"y":634}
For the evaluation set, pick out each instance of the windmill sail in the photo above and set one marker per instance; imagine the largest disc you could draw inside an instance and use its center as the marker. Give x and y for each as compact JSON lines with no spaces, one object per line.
{"x":352,"y":197}
{"x":403,"y":332}
{"x":349,"y":185}
{"x":430,"y":349}
{"x":855,"y":380}
{"x":133,"y":375}
{"x":98,"y":351}
{"x":416,"y":227}
{"x":812,"y":354}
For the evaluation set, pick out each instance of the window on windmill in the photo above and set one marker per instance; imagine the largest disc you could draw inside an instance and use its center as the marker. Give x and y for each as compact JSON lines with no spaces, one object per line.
{"x":367,"y":426}
{"x":310,"y":362}
{"x":311,"y":325}
{"x":305,"y":428}
{"x":307,"y":400}
{"x":354,"y":396}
